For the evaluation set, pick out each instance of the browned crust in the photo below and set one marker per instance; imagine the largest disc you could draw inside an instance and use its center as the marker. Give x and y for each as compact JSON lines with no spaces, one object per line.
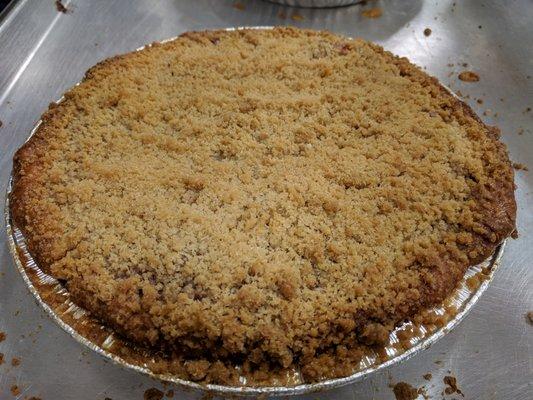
{"x":496,"y":204}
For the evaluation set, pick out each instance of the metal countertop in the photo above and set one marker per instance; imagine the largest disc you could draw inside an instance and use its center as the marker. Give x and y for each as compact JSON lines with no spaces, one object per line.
{"x":44,"y":52}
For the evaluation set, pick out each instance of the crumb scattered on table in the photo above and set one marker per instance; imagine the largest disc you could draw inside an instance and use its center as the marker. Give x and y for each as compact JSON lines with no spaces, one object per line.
{"x":60,"y":7}
{"x":297,"y":17}
{"x":1,"y":358}
{"x":404,"y":391}
{"x":239,"y":6}
{"x":427,"y":31}
{"x":375,"y":12}
{"x":451,"y":381}
{"x":38,"y":398}
{"x":520,"y":166}
{"x":479,"y":101}
{"x":15,"y":362}
{"x":469,"y":76}
{"x":530,"y":317}
{"x":2,"y":336}
{"x":15,"y":390}
{"x":427,"y":376}
{"x":153,"y":394}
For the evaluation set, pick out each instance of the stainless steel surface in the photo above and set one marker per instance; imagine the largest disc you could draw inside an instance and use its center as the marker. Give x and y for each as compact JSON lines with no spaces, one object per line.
{"x":315,"y":3}
{"x":43,"y":52}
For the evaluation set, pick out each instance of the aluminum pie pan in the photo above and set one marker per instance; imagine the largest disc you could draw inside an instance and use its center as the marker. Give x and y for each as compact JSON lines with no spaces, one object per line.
{"x":71,"y":317}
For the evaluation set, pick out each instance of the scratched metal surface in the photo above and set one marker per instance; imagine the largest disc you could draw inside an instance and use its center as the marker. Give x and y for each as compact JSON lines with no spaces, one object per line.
{"x":43,"y":52}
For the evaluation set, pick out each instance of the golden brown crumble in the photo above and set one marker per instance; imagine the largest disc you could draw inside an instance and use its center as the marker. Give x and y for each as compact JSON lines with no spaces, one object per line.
{"x":520,"y":166}
{"x":451,"y":381}
{"x":270,"y":196}
{"x":375,"y":12}
{"x":404,"y":391}
{"x":15,"y":390}
{"x":469,"y":76}
{"x":153,"y":394}
{"x":60,"y":7}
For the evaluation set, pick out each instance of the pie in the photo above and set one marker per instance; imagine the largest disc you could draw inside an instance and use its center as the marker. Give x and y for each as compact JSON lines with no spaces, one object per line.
{"x":270,"y":197}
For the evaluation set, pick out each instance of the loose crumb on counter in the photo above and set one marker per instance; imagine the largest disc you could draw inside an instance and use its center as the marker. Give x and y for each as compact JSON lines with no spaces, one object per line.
{"x":451,"y":381}
{"x":529,"y":316}
{"x":15,"y":390}
{"x":15,"y":362}
{"x":297,"y":17}
{"x":239,"y":6}
{"x":469,"y":76}
{"x":427,"y":32}
{"x":153,"y":394}
{"x":61,"y":7}
{"x":427,"y":376}
{"x":2,"y":336}
{"x":520,"y":166}
{"x":404,"y":391}
{"x":375,"y":12}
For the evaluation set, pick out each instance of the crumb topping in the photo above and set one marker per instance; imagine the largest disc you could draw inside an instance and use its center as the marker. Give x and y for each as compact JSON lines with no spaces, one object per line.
{"x":264,"y":195}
